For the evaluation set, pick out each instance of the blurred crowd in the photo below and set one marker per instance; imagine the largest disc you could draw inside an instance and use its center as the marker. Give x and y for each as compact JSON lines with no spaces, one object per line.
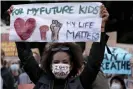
{"x":13,"y":73}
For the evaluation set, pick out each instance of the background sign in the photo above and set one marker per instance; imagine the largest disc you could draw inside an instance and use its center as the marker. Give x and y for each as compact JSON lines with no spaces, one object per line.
{"x":9,"y":48}
{"x":118,"y":62}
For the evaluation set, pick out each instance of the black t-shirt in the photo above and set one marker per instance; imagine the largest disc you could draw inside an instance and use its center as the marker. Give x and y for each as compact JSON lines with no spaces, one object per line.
{"x":58,"y":84}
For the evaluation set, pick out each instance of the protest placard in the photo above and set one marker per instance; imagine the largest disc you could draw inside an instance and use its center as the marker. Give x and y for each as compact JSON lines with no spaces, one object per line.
{"x":9,"y":48}
{"x":118,"y":62}
{"x":60,"y":22}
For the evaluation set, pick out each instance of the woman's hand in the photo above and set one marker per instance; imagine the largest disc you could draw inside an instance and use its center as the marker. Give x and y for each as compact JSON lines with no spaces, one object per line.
{"x":104,"y":14}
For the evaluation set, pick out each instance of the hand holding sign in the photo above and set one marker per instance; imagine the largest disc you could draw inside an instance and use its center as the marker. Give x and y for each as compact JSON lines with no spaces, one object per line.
{"x":104,"y":14}
{"x":55,"y":28}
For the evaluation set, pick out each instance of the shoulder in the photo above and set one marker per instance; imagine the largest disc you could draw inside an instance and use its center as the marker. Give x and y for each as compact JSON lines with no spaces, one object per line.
{"x":23,"y":75}
{"x":5,"y":71}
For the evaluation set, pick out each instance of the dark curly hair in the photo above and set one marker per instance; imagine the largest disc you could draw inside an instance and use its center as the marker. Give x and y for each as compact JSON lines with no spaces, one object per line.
{"x":121,"y":80}
{"x":74,"y":51}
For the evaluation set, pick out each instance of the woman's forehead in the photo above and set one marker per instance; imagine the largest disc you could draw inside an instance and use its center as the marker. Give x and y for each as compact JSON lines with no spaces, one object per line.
{"x":61,"y":55}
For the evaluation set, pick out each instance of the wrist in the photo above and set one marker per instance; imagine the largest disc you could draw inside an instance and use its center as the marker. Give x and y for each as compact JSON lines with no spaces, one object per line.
{"x":103,"y":25}
{"x":102,"y":29}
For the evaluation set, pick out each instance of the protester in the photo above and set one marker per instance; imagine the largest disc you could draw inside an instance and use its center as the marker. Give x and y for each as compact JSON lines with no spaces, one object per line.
{"x":63,"y":60}
{"x":130,"y":84}
{"x":117,"y":83}
{"x":15,"y":70}
{"x":7,"y":78}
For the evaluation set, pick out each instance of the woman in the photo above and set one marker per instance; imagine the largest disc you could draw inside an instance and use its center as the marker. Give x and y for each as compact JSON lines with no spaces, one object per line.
{"x":62,"y":61}
{"x":6,"y":76}
{"x":117,"y":83}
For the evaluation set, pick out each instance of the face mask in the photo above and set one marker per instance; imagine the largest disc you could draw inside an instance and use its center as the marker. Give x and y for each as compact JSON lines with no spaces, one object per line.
{"x":14,"y":67}
{"x":115,"y":86}
{"x":61,"y":71}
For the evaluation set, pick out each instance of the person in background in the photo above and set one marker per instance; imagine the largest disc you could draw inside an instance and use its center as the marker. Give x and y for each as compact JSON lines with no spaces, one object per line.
{"x":24,"y":78}
{"x":6,"y":76}
{"x":101,"y":82}
{"x":117,"y":83}
{"x":130,"y":84}
{"x":15,"y":70}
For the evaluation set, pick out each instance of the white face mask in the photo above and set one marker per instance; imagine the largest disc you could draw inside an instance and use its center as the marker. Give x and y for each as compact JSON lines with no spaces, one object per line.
{"x":61,"y":71}
{"x":14,"y":67}
{"x":115,"y":86}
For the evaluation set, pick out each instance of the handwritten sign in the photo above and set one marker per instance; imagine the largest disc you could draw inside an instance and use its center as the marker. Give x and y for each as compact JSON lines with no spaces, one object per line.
{"x":59,"y":22}
{"x":9,"y":48}
{"x":118,"y":62}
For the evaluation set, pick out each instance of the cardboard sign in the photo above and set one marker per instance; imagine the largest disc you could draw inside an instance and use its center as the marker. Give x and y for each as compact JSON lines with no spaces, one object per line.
{"x":9,"y":48}
{"x":56,"y":22}
{"x":118,"y":62}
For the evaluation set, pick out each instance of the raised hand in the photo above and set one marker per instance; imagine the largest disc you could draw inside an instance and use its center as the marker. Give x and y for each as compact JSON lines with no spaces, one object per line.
{"x":104,"y":14}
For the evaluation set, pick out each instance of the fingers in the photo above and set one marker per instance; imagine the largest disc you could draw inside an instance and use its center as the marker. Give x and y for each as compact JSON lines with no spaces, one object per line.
{"x":103,"y":10}
{"x":104,"y":13}
{"x":10,"y":10}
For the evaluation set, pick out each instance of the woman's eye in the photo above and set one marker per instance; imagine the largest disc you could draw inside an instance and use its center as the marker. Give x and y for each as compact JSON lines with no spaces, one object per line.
{"x":65,"y":62}
{"x":56,"y":62}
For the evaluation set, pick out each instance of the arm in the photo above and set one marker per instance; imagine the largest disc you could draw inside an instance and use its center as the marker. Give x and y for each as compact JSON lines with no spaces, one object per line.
{"x":94,"y":62}
{"x":95,"y":59}
{"x":29,"y":64}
